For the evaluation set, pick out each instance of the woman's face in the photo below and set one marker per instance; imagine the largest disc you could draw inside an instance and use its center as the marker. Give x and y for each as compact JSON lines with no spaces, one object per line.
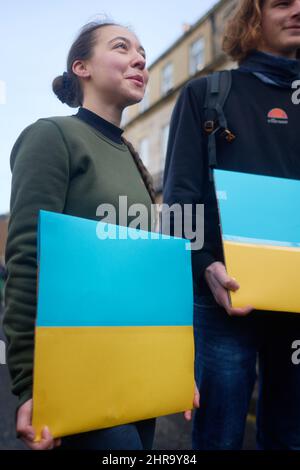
{"x":281,"y":27}
{"x":117,"y":69}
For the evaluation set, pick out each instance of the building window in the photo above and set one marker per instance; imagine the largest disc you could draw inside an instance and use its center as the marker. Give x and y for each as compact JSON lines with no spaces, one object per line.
{"x":196,"y":56}
{"x":144,"y":151}
{"x":164,"y":144}
{"x":144,"y":104}
{"x":167,"y":78}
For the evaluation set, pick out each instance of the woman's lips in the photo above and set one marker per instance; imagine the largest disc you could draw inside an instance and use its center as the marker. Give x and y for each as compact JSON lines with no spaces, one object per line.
{"x":138,"y":81}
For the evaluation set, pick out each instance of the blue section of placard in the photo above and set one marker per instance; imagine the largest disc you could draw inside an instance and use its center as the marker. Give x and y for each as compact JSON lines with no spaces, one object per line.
{"x":258,"y":209}
{"x":96,"y":274}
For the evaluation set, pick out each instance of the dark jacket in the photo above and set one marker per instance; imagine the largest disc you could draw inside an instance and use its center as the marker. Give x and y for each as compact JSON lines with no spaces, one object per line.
{"x":262,"y":146}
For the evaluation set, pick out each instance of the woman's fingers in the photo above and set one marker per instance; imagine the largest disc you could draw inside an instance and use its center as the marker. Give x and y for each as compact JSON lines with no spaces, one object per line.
{"x":27,"y":432}
{"x":46,"y":442}
{"x":23,"y":426}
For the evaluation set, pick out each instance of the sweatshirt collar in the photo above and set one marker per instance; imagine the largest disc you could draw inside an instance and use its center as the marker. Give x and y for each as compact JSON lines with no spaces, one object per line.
{"x":106,"y":128}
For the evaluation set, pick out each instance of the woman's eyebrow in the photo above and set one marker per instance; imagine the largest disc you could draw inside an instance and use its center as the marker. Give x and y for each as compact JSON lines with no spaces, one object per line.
{"x":123,"y":38}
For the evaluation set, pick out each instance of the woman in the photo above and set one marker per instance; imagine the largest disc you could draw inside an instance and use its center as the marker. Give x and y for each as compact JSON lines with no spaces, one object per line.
{"x":71,"y":165}
{"x":264,"y":38}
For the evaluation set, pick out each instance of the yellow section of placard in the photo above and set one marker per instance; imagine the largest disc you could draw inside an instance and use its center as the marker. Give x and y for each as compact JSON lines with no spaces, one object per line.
{"x":88,"y":378}
{"x":268,"y":276}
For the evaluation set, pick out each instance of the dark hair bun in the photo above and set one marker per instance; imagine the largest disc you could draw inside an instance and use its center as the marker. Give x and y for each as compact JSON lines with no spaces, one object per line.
{"x":64,"y":86}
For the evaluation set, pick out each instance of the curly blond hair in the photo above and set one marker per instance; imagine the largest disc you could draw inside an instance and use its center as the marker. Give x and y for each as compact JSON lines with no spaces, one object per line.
{"x":243,"y":31}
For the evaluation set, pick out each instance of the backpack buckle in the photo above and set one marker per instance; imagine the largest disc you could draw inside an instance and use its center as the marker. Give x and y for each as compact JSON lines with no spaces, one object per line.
{"x":209,"y":126}
{"x":229,"y":136}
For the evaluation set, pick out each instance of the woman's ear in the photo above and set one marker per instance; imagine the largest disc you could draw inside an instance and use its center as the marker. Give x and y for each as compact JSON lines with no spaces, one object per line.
{"x":80,"y":69}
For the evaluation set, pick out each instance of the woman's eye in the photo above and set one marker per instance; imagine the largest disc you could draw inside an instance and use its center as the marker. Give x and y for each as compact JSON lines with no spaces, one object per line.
{"x":122,"y":45}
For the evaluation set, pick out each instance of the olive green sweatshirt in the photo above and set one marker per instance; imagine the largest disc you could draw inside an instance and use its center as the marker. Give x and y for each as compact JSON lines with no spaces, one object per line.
{"x":65,"y":165}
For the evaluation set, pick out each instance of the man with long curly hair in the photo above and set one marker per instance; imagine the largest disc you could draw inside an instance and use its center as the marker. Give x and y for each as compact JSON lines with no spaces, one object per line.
{"x":264,"y":38}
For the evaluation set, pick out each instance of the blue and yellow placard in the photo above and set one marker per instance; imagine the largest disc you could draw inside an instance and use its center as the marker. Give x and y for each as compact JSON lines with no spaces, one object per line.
{"x":113,"y":338}
{"x":260,"y":225}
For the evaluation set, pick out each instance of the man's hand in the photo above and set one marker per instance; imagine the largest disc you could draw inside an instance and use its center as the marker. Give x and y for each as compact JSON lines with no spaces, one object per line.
{"x":220,"y":283}
{"x":196,"y":404}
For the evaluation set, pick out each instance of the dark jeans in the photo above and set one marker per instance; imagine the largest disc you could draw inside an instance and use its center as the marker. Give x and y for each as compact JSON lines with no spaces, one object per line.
{"x":225,"y":369}
{"x":134,"y":436}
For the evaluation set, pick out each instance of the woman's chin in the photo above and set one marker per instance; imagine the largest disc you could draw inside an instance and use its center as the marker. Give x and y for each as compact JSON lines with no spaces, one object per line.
{"x":134,"y":99}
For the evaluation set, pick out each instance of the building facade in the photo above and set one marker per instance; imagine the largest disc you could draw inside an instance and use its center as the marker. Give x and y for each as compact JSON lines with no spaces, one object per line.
{"x":196,"y":53}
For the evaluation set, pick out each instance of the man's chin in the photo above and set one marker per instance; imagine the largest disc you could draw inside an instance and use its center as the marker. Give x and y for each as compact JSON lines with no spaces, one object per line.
{"x":293,"y":42}
{"x":290,"y":48}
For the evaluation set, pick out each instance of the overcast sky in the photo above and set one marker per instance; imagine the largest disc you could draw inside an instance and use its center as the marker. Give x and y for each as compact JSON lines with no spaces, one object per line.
{"x":35,"y":38}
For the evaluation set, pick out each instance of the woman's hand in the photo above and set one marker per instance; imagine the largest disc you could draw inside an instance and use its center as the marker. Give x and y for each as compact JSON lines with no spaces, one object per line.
{"x":196,"y":404}
{"x":220,"y":283}
{"x":27,"y":433}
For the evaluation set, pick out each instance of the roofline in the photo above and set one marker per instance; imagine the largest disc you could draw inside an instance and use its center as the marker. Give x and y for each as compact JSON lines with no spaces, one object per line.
{"x":188,"y":33}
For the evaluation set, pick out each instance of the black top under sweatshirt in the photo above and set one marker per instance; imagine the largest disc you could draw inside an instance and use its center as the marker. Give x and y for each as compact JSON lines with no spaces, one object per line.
{"x":108,"y":129}
{"x":262,"y":146}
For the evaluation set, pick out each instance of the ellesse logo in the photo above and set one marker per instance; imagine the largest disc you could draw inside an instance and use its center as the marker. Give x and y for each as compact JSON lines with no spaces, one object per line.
{"x":277,"y":116}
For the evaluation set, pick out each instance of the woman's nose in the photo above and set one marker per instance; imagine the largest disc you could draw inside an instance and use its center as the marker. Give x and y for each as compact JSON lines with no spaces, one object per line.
{"x":139,"y":61}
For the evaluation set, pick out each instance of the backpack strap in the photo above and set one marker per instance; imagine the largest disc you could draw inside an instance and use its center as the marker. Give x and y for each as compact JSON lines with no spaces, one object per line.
{"x":217,"y":91}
